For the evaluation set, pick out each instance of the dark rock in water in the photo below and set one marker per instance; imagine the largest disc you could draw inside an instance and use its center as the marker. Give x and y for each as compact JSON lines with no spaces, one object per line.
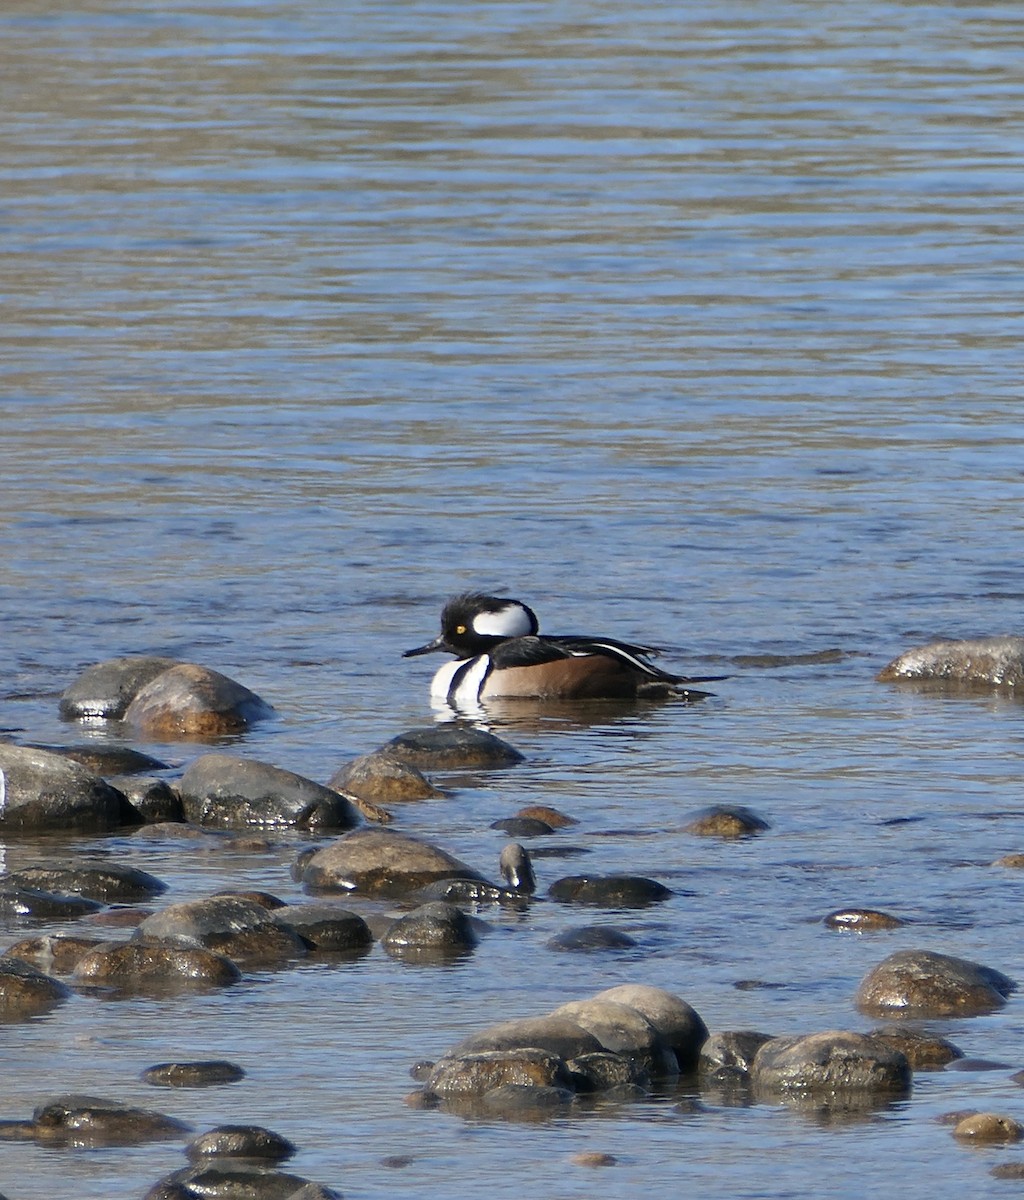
{"x":609,"y":891}
{"x":326,"y":927}
{"x":469,"y":891}
{"x":380,"y":862}
{"x":105,"y":690}
{"x":26,"y":992}
{"x":236,"y":1179}
{"x":474,"y":1074}
{"x":43,"y":791}
{"x":79,"y":1120}
{"x":520,"y":1099}
{"x":191,"y":703}
{"x":242,"y":930}
{"x":730,"y":1055}
{"x":677,"y":1022}
{"x":436,"y":928}
{"x":833,"y":1062}
{"x":382,"y":778}
{"x":153,"y":968}
{"x":523,"y":827}
{"x":989,"y":662}
{"x":211,"y":1073}
{"x":623,"y":1030}
{"x":229,"y":792}
{"x":603,"y":1071}
{"x":924,"y":1051}
{"x":861,"y":920}
{"x":110,"y":882}
{"x":517,"y":869}
{"x":240,"y":1141}
{"x":108,"y":760}
{"x":452,"y":748}
{"x":56,"y":952}
{"x":921,"y":983}
{"x":591,"y":939}
{"x":558,"y":1036}
{"x":35,"y":905}
{"x":153,"y":799}
{"x":733,"y":821}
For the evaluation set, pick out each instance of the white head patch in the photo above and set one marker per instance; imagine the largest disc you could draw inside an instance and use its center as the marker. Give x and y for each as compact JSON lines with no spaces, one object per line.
{"x":511,"y":621}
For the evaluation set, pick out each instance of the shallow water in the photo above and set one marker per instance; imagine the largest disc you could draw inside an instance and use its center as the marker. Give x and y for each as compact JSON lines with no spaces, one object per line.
{"x":699,"y":329}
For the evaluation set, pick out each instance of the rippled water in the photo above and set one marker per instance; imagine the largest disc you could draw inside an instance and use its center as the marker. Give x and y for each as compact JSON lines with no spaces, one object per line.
{"x":694,"y":327}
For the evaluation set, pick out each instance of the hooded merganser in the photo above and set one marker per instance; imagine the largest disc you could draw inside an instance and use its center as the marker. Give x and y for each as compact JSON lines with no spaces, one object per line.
{"x":499,"y":655}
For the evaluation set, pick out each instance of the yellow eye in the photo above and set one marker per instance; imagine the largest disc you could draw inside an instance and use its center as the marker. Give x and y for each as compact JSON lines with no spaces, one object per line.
{"x":460,"y":629}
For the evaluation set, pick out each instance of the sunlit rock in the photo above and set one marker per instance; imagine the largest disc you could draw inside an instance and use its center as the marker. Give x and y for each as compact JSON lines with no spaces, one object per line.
{"x":112,"y":883}
{"x":922,"y":983}
{"x":678,"y":1023}
{"x":833,"y":1062}
{"x":241,"y":929}
{"x":79,"y":1120}
{"x":105,"y":690}
{"x":201,"y":1074}
{"x":382,"y":778}
{"x":240,"y":1141}
{"x":42,"y":791}
{"x":433,"y":930}
{"x":148,"y":968}
{"x":26,"y":992}
{"x":991,"y":662}
{"x":622,"y":1029}
{"x":729,"y":822}
{"x":190,"y":702}
{"x":451,"y":748}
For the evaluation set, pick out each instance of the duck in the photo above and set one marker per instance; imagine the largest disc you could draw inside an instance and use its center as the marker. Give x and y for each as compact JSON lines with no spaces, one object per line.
{"x":501,"y":655}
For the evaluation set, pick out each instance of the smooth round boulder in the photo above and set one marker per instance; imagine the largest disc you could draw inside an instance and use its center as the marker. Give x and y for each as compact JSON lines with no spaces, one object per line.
{"x":590,"y":939}
{"x":105,"y":690}
{"x":380,"y":862}
{"x":236,"y":1179}
{"x":41,"y":791}
{"x":677,"y":1022}
{"x":432,"y":930}
{"x":53,"y":952}
{"x":110,"y":883}
{"x":81,"y":1120}
{"x":924,"y":1051}
{"x":382,"y":778}
{"x":623,"y":1030}
{"x":475,"y":1073}
{"x":26,"y":992}
{"x":861,"y":920}
{"x":730,"y":1055}
{"x":729,"y":822}
{"x":609,"y":891}
{"x":34,"y":905}
{"x":153,"y":968}
{"x":240,"y":1141}
{"x":558,"y":1036}
{"x":922,"y":983}
{"x":228,"y":792}
{"x":988,"y":662}
{"x":241,"y":929}
{"x":988,"y":1128}
{"x":326,"y":927}
{"x":833,"y":1063}
{"x":452,"y":748}
{"x":189,"y":702}
{"x":205,"y":1073}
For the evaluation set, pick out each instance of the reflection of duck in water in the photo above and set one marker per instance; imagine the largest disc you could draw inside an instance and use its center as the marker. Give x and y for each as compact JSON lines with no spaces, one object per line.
{"x":500,"y":655}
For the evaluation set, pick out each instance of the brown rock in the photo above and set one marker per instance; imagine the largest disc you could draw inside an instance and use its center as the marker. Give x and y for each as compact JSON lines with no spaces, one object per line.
{"x":988,"y":1127}
{"x":989,"y":662}
{"x":474,"y":1074}
{"x":861,"y":920}
{"x":921,"y":983}
{"x":380,"y":862}
{"x":729,"y":822}
{"x":834,"y":1062}
{"x":190,"y":702}
{"x":381,"y":778}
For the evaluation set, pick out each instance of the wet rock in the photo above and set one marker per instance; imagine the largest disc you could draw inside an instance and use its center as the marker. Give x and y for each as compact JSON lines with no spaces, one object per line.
{"x":558,"y":1036}
{"x":593,"y":1158}
{"x":26,"y":992}
{"x":721,"y":821}
{"x":105,"y":690}
{"x":730,"y":1055}
{"x":590,"y":939}
{"x":434,"y":929}
{"x":677,"y":1022}
{"x":924,"y":1051}
{"x":225,"y":791}
{"x":326,"y":927}
{"x":382,"y":778}
{"x":240,"y":929}
{"x":1014,"y":861}
{"x":240,"y":1141}
{"x":109,"y":883}
{"x":516,"y":869}
{"x":523,"y":827}
{"x":209,"y":1073}
{"x":108,"y":760}
{"x":153,"y":968}
{"x":54,"y":953}
{"x":42,"y":791}
{"x":552,"y":817}
{"x":861,"y":920}
{"x":989,"y":662}
{"x":831,"y":1062}
{"x":120,"y":916}
{"x":34,"y":905}
{"x":623,"y":1030}
{"x":380,"y":862}
{"x":79,"y":1120}
{"x":521,"y":1100}
{"x":603,"y":1071}
{"x":988,"y":1127}
{"x":191,"y":702}
{"x":1010,"y":1170}
{"x":451,"y":748}
{"x":475,"y":1073}
{"x":609,"y":891}
{"x":235,"y":1179}
{"x":469,"y":891}
{"x":921,"y":983}
{"x":153,"y":799}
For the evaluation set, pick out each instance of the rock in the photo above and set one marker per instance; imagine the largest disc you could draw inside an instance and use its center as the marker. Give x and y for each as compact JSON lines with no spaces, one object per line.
{"x":835,"y":1062}
{"x":523,"y":1101}
{"x":861,"y":920}
{"x":733,"y":821}
{"x":380,"y":862}
{"x":153,"y":968}
{"x":469,"y":891}
{"x":53,"y":952}
{"x":603,"y":1071}
{"x":41,"y":791}
{"x":240,"y":1141}
{"x":523,"y":827}
{"x":326,"y":927}
{"x":1014,"y":861}
{"x":452,"y":748}
{"x":1010,"y":1170}
{"x":432,"y":930}
{"x":211,"y":1073}
{"x":190,"y":702}
{"x":236,"y":1179}
{"x":228,"y":792}
{"x":558,"y":1036}
{"x":593,"y":1158}
{"x":109,"y":883}
{"x":108,"y":760}
{"x":921,"y":983}
{"x":988,"y":1127}
{"x":552,"y":817}
{"x":730,"y":1055}
{"x":679,"y":1024}
{"x":26,"y":992}
{"x":989,"y":662}
{"x":924,"y":1051}
{"x":80,"y":1120}
{"x":240,"y":929}
{"x":153,"y":799}
{"x":105,"y":690}
{"x":475,"y":1073}
{"x":623,"y":1030}
{"x":382,"y":778}
{"x":609,"y":891}
{"x":34,"y":905}
{"x":590,"y":939}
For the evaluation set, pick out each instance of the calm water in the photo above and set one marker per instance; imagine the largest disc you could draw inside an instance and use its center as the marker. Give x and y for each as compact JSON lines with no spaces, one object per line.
{"x":702,"y":329}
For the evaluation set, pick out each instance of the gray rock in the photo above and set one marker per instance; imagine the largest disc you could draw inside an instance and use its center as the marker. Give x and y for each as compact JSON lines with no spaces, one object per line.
{"x":558,"y":1036}
{"x":921,"y":983}
{"x":208,"y":1073}
{"x":240,"y":1141}
{"x":833,"y":1063}
{"x":590,"y":939}
{"x":603,"y":1071}
{"x":190,"y":702}
{"x":153,"y":968}
{"x":989,"y":662}
{"x":326,"y":927}
{"x":80,"y":1120}
{"x":105,"y":690}
{"x":609,"y":891}
{"x":41,"y":791}
{"x":25,"y":992}
{"x":677,"y":1022}
{"x":924,"y":1051}
{"x":241,"y":929}
{"x":153,"y":799}
{"x":382,"y":778}
{"x":623,"y":1030}
{"x":226,"y":791}
{"x":730,"y":1055}
{"x":34,"y":905}
{"x":108,"y":760}
{"x":451,"y":748}
{"x":110,"y":883}
{"x":432,"y":930}
{"x":476,"y":1073}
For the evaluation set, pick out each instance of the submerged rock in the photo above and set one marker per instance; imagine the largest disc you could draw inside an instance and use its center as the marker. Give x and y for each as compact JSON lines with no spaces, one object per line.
{"x":861,"y":920}
{"x":989,"y":662}
{"x":988,"y":1127}
{"x":80,"y":1120}
{"x":922,"y":983}
{"x":833,"y":1062}
{"x":726,"y":821}
{"x":591,"y":939}
{"x":153,"y":968}
{"x":924,"y":1051}
{"x":27,"y":992}
{"x":382,"y":778}
{"x":105,"y":690}
{"x":109,"y":883}
{"x":241,"y":929}
{"x":41,"y":791}
{"x":452,"y":748}
{"x":208,"y":1073}
{"x":191,"y":702}
{"x":609,"y":891}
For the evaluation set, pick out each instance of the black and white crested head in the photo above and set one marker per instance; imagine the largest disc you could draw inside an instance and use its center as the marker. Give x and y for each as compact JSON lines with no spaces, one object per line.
{"x":474,"y":622}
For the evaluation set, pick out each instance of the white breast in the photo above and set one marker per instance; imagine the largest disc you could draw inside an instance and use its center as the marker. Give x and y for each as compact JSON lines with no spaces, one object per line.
{"x":471,"y":672}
